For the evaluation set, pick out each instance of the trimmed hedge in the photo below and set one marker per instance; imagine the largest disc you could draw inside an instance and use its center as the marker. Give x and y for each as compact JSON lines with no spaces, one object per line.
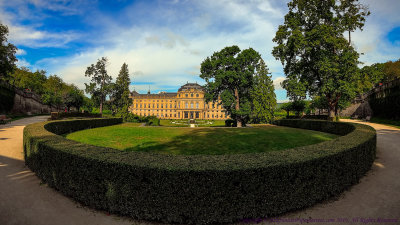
{"x":199,"y":189}
{"x":61,"y":115}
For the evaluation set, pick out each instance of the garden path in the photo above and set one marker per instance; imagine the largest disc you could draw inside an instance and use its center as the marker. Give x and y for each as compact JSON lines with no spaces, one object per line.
{"x":376,"y":196}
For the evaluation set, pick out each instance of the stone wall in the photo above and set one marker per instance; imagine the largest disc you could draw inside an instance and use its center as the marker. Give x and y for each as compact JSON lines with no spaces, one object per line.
{"x":27,"y":102}
{"x":358,"y":109}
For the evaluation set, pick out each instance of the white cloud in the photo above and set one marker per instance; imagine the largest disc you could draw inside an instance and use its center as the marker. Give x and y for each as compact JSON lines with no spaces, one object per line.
{"x":20,"y":52}
{"x":24,"y":63}
{"x":277,"y":83}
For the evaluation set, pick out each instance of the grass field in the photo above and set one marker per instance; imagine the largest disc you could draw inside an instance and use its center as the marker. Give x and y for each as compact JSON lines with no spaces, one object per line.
{"x":193,"y":141}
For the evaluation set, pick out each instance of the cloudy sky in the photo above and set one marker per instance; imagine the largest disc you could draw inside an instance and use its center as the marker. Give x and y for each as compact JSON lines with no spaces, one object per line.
{"x":164,"y":41}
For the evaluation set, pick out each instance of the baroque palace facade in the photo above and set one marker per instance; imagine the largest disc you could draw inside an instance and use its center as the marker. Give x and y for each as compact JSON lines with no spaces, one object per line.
{"x":187,"y":103}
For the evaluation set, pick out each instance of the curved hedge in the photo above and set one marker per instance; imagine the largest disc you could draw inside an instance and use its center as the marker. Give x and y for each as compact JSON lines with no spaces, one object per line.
{"x":199,"y":189}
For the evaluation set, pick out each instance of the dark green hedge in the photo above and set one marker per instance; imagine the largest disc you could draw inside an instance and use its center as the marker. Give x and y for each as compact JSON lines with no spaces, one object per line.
{"x":199,"y":189}
{"x":6,"y":99}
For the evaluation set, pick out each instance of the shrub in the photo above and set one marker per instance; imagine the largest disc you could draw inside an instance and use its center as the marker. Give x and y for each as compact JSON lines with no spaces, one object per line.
{"x":199,"y":189}
{"x":230,"y":123}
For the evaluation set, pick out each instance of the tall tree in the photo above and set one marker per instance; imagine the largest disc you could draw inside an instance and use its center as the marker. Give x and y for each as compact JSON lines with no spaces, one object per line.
{"x":352,"y":15}
{"x":229,"y":75}
{"x":312,"y":47}
{"x":53,"y":89}
{"x":7,"y":53}
{"x":263,"y":95}
{"x":72,"y":97}
{"x":99,"y":87}
{"x":120,"y":97}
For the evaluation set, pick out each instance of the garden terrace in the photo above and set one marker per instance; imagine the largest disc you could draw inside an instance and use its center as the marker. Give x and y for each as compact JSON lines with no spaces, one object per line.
{"x":199,"y":189}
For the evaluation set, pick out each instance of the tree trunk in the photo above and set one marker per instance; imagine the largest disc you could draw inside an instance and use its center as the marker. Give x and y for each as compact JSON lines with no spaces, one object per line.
{"x":101,"y":105}
{"x":336,"y":110}
{"x":331,"y":112}
{"x":349,"y":38}
{"x":237,"y":107}
{"x":332,"y":106}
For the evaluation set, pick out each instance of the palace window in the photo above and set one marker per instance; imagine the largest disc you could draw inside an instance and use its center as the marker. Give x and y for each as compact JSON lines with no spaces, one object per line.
{"x":191,"y":95}
{"x":136,"y":105}
{"x":140,"y":105}
{"x":149,"y":106}
{"x":179,"y":114}
{"x":191,"y":105}
{"x":197,"y":95}
{"x":197,"y":105}
{"x":186,"y":95}
{"x":162,"y":106}
{"x":170,"y":105}
{"x":186,"y":105}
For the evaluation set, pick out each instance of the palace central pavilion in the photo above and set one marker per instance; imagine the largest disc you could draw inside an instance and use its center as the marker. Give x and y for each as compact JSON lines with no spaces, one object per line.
{"x":187,"y":103}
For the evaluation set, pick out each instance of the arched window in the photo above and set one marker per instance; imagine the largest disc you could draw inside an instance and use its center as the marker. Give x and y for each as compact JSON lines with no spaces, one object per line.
{"x":197,"y":95}
{"x":191,"y":105}
{"x":191,"y":95}
{"x":186,"y":105}
{"x":197,"y":105}
{"x":186,"y":95}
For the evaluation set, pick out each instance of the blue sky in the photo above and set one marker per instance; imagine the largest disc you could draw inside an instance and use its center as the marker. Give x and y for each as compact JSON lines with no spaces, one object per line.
{"x":164,"y":41}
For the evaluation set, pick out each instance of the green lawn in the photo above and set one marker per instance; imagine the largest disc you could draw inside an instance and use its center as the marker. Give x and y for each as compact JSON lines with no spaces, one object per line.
{"x":192,"y":141}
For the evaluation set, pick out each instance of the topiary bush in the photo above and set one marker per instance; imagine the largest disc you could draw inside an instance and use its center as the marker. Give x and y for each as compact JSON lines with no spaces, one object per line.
{"x":199,"y":189}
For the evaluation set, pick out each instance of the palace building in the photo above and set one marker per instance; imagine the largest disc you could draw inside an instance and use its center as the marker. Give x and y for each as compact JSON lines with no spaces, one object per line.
{"x":187,"y":103}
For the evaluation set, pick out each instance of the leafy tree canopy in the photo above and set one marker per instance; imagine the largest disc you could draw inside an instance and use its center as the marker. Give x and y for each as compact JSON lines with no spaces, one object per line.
{"x":315,"y":54}
{"x":230,"y":76}
{"x":7,"y":53}
{"x":100,"y":85}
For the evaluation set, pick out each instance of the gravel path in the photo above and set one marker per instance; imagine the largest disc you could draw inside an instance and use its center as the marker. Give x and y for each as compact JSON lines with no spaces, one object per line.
{"x":25,"y":201}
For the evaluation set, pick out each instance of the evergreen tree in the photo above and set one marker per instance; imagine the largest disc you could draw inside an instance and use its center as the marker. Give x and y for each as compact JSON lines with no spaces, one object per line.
{"x":121,"y":100}
{"x":99,"y":87}
{"x":264,"y":98}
